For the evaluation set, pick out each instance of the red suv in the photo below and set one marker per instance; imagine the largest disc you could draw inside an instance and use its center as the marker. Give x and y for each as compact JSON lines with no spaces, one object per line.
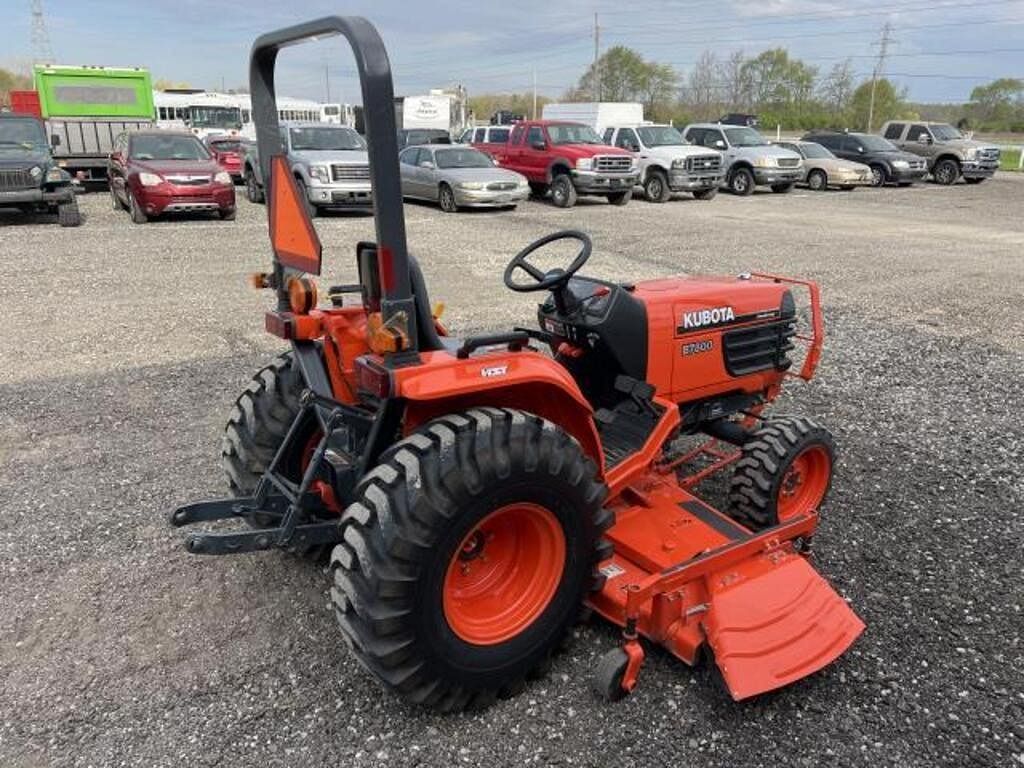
{"x":228,"y":151}
{"x":156,"y":172}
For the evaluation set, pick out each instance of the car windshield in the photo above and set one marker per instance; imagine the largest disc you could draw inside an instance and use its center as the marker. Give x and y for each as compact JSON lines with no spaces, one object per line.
{"x":216,"y":117}
{"x":944,"y":132}
{"x":660,"y":136}
{"x":462,"y":158}
{"x":227,"y":145}
{"x":26,"y":133}
{"x":812,"y":151}
{"x":325,"y":139}
{"x":427,"y":137}
{"x":332,"y":111}
{"x":877,"y":143}
{"x":745,"y":137}
{"x":171,"y":147}
{"x":571,"y":133}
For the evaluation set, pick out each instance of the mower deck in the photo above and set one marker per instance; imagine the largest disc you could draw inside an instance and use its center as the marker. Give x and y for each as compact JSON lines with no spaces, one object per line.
{"x":683,"y":574}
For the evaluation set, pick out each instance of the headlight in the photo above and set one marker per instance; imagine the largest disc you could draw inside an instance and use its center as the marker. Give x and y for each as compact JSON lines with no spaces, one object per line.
{"x":149,"y":179}
{"x":470,"y":185}
{"x":584,"y":164}
{"x":55,"y":174}
{"x":35,"y":172}
{"x":223,"y":177}
{"x":320,"y":173}
{"x":900,"y":164}
{"x":634,"y":164}
{"x":971,"y":154}
{"x":679,"y":162}
{"x":765,"y":162}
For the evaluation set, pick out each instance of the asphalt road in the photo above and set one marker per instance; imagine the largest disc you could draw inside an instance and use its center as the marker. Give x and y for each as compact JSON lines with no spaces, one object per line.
{"x":124,"y":346}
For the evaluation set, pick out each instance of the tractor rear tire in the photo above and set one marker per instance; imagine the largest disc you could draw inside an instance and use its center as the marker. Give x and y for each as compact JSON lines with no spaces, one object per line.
{"x":785,"y":471}
{"x":257,"y":426}
{"x":466,"y":556}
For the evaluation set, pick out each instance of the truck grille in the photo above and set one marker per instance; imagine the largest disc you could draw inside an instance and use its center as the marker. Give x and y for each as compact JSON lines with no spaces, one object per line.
{"x":704,"y":164}
{"x":613,"y":164}
{"x":990,"y":153}
{"x":918,"y":165}
{"x":502,"y":186}
{"x":789,"y":162}
{"x":350,"y":172}
{"x":760,"y":348}
{"x":16,"y":178}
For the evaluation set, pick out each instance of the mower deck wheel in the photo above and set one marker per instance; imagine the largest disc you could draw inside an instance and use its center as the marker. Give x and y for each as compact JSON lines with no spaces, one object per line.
{"x":606,"y":680}
{"x":467,"y":554}
{"x":785,"y":471}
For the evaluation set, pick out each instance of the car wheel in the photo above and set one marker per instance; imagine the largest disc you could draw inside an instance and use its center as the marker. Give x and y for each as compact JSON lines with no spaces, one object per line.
{"x":563,"y":193}
{"x":68,"y":215}
{"x":877,"y":176}
{"x":138,"y":215}
{"x":115,"y":201}
{"x":656,"y":188}
{"x":253,"y":193}
{"x":946,"y":172}
{"x":741,"y":182}
{"x":817,"y":181}
{"x":446,"y":199}
{"x":311,"y":209}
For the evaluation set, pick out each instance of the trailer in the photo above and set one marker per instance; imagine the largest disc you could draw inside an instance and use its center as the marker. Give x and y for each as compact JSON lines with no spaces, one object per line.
{"x":436,"y":110}
{"x":597,"y":114}
{"x":86,"y":108}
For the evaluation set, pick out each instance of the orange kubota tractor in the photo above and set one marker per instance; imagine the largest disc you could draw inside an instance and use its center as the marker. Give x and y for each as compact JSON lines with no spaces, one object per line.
{"x":478,"y":492}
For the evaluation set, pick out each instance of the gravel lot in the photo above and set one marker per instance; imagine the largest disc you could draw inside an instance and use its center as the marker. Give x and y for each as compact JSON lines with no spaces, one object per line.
{"x":124,"y":347}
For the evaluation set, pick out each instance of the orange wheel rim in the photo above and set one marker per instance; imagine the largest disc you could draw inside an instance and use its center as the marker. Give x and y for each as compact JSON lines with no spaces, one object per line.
{"x":504,"y":574}
{"x":805,"y":483}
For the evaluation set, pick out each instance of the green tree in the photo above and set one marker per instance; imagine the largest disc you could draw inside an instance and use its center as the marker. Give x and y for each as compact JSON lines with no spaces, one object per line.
{"x":998,"y":105}
{"x":890,"y":104}
{"x":12,"y":81}
{"x":621,"y":74}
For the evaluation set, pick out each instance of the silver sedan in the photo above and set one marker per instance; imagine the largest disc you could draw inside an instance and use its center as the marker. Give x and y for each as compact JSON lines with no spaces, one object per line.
{"x":456,"y":176}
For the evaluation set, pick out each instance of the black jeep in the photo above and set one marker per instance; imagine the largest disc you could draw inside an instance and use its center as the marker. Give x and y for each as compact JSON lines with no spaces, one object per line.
{"x":30,"y":180}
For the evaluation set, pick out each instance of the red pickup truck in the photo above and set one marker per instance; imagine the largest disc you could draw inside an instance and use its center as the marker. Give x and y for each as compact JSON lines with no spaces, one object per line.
{"x":569,"y":159}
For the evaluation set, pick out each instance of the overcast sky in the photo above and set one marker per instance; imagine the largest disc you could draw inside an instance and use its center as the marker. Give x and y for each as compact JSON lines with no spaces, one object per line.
{"x":943,"y":47}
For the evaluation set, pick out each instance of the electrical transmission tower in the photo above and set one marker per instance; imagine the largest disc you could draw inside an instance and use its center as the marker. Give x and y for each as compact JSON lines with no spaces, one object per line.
{"x":883,"y":51}
{"x":42,"y":53}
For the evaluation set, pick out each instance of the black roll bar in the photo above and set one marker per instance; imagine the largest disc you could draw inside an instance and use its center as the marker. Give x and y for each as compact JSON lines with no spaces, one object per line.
{"x":381,"y":134}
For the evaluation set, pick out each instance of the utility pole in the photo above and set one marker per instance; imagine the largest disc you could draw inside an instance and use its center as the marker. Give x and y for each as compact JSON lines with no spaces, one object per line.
{"x":883,"y":51}
{"x":42,"y":52}
{"x":534,"y":116}
{"x":327,"y":83}
{"x":597,"y":59}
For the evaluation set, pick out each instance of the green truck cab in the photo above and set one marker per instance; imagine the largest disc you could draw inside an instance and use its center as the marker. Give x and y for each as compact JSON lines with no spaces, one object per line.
{"x":30,"y":179}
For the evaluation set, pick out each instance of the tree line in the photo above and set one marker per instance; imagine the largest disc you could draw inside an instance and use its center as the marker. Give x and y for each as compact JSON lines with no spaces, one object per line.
{"x":780,"y":89}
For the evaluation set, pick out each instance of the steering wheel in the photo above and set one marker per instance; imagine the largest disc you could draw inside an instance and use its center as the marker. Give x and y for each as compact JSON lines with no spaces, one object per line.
{"x":556,"y":278}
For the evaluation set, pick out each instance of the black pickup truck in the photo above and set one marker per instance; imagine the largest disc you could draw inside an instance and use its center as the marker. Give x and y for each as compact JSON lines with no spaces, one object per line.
{"x":30,"y":179}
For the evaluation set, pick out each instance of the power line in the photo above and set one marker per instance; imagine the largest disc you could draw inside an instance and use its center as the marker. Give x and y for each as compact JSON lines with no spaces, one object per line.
{"x":42,"y":51}
{"x":883,"y":49}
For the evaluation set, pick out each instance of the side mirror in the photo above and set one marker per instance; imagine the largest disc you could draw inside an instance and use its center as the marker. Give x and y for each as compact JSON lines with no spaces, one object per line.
{"x":719,"y":144}
{"x":633,"y":147}
{"x":54,"y":140}
{"x":539,"y":145}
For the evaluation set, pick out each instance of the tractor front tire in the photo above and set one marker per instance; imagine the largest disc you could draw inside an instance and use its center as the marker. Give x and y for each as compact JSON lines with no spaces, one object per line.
{"x":785,"y":471}
{"x":466,"y":556}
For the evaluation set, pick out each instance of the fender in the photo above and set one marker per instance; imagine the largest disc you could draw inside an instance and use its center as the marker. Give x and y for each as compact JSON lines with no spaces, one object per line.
{"x":559,"y":162}
{"x":526,"y":380}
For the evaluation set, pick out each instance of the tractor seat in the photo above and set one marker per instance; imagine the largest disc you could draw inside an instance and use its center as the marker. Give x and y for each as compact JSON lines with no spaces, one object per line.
{"x":429,"y":339}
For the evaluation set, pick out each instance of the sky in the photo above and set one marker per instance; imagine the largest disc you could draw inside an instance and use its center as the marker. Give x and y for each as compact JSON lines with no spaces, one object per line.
{"x":941,"y":48}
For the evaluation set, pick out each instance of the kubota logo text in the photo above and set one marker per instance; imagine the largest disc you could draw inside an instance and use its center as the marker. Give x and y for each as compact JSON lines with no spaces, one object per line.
{"x":702,"y":317}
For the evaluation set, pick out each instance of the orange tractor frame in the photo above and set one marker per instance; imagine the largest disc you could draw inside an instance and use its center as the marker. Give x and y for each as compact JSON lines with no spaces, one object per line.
{"x":475,"y":494}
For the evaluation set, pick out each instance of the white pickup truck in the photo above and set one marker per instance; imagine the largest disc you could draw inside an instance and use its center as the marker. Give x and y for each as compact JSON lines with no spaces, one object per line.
{"x":668,"y":163}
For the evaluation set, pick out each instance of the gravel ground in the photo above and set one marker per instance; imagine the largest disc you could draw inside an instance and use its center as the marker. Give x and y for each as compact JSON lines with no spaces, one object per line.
{"x":125,"y":345}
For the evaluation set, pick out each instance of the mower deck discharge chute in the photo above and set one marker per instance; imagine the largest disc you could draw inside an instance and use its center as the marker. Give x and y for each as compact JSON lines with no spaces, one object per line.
{"x":476,"y":494}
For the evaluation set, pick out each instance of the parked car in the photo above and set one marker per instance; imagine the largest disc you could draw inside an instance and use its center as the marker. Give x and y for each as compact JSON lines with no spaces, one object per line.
{"x":155,"y":172}
{"x":948,"y":153}
{"x":30,"y":180}
{"x":330,"y":164}
{"x":739,"y":118}
{"x":569,"y":159}
{"x":488,"y":138}
{"x":822,"y":169}
{"x":228,"y":152}
{"x":668,"y":163}
{"x":409,"y":137}
{"x":888,"y":163}
{"x":750,"y":159}
{"x":459,"y":176}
